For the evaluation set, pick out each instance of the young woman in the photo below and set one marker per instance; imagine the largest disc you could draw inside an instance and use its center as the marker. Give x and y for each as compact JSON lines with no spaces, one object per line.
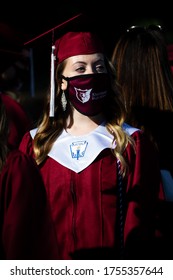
{"x":101,"y":176}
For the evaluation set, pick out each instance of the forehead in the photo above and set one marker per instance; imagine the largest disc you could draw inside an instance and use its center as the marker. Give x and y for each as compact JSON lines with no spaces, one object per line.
{"x":85,"y":58}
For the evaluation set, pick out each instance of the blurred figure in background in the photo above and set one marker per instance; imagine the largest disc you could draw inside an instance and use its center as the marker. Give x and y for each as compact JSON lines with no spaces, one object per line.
{"x":144,"y":74}
{"x":13,"y":75}
{"x":25,"y":225}
{"x":19,"y":122}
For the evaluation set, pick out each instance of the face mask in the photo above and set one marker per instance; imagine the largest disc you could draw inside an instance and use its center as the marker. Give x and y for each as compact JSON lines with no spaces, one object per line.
{"x":87,"y":93}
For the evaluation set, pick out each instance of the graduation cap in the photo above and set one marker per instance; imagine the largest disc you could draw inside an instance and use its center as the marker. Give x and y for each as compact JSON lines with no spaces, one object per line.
{"x":75,"y":36}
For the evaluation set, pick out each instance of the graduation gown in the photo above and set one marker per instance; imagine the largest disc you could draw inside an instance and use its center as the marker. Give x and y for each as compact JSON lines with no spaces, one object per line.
{"x":90,"y":217}
{"x":25,"y":226}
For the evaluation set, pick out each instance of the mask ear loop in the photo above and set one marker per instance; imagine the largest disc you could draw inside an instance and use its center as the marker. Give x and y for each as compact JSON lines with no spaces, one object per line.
{"x":52,"y":80}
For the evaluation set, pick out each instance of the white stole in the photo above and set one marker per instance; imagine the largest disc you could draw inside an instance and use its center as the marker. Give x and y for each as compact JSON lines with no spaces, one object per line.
{"x":78,"y":152}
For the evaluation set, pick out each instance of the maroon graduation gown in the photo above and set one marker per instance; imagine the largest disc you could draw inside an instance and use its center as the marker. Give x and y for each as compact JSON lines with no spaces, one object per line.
{"x":85,"y":206}
{"x":25,"y":226}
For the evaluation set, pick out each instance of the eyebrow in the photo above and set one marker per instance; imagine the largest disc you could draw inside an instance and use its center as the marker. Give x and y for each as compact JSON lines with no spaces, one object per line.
{"x":83,"y":62}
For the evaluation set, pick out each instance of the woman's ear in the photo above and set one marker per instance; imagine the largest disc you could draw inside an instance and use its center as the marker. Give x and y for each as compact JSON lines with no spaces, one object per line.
{"x":63,"y":85}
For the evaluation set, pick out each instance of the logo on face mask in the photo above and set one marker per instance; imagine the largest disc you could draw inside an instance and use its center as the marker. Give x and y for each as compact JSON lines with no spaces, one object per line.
{"x":87,"y":93}
{"x":83,"y":95}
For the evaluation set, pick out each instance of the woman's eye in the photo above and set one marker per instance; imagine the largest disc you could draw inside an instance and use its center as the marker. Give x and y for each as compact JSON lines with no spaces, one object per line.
{"x":100,"y":68}
{"x":80,"y":69}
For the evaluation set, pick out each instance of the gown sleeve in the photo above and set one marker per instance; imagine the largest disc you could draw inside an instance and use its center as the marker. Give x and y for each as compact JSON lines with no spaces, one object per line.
{"x":26,"y":144}
{"x":26,"y":227}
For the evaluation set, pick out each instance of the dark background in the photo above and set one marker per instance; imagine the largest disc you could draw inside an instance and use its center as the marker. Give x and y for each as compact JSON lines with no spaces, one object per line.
{"x":21,"y":22}
{"x":32,"y":17}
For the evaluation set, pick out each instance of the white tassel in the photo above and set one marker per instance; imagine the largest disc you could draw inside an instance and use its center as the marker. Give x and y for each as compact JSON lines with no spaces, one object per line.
{"x":52,"y":84}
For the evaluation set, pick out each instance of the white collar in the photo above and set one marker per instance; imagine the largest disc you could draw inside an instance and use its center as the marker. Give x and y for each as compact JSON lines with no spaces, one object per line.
{"x":78,"y":152}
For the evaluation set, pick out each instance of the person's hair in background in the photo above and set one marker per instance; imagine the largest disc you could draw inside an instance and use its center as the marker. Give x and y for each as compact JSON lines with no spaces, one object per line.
{"x":143,"y":69}
{"x":101,"y":175}
{"x":144,"y":74}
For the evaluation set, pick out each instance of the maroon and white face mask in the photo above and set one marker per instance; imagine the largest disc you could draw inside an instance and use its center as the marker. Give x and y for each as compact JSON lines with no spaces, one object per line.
{"x":87,"y":93}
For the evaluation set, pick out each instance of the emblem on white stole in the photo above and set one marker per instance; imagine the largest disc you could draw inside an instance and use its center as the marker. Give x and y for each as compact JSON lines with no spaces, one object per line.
{"x":78,"y":149}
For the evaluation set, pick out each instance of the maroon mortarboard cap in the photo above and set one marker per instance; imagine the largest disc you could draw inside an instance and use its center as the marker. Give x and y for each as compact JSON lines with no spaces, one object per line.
{"x":77,"y":43}
{"x":78,"y":36}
